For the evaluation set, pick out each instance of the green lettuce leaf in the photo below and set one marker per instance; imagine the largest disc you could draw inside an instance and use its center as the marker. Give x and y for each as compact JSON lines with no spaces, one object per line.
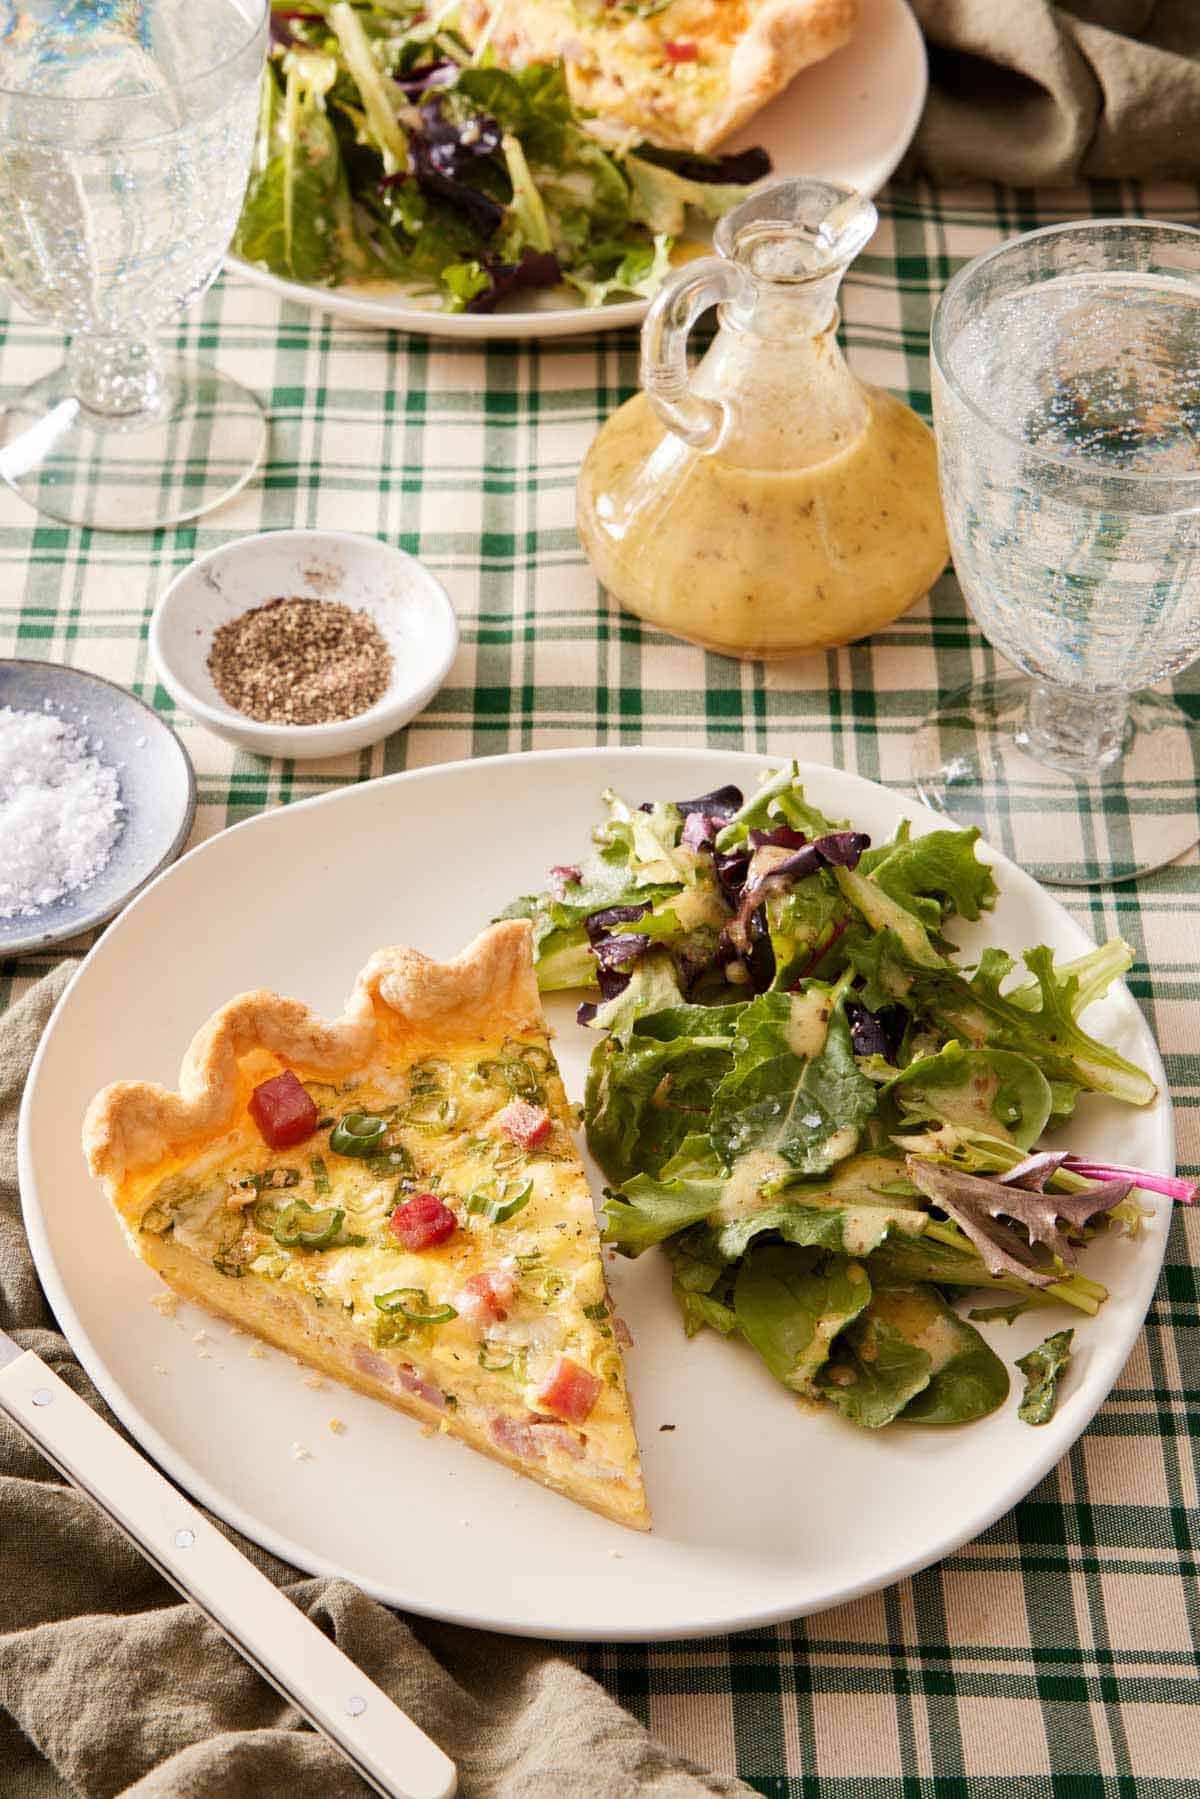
{"x":779,"y":801}
{"x":647,"y":1211}
{"x":932,"y":876}
{"x":662,"y":199}
{"x":645,"y":1096}
{"x":909,"y":1356}
{"x":1042,"y":1025}
{"x":1042,"y":1368}
{"x":297,"y":219}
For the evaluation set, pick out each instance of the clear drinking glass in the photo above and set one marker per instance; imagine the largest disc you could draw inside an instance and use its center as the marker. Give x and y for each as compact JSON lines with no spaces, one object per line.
{"x":1066,"y":391}
{"x":126,"y":130}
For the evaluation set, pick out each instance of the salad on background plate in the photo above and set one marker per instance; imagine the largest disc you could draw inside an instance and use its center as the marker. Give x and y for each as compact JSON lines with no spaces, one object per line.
{"x":832,"y":1125}
{"x":388,"y":152}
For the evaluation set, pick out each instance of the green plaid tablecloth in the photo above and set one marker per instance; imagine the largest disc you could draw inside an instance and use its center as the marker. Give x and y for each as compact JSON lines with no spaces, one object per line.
{"x":1059,"y":1654}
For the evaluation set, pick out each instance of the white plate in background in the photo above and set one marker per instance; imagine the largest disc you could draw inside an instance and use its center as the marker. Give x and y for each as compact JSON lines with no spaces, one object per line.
{"x":848,"y":119}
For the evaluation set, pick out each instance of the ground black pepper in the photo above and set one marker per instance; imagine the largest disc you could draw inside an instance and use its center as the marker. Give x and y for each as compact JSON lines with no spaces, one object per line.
{"x":300,"y":662}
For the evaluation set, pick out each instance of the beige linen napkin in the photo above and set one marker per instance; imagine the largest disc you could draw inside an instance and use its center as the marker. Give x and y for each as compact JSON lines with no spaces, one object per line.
{"x":1043,"y":92}
{"x":109,"y":1684}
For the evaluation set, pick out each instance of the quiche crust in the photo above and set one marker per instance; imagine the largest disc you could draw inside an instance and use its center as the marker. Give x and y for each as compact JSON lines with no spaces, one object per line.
{"x":405,"y":1011}
{"x":132,"y":1126}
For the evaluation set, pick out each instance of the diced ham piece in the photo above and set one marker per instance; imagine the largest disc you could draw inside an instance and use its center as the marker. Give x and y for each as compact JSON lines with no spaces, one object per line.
{"x":487,"y":1297}
{"x":571,"y":1391}
{"x":284,"y":1111}
{"x":422,"y":1221}
{"x":681,"y":50}
{"x":411,"y":1381}
{"x":528,"y":1126}
{"x":557,"y":1436}
{"x":367,"y":1362}
{"x":515,"y":1438}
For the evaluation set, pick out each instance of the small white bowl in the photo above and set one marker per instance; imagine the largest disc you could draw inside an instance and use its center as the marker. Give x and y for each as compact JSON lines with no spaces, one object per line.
{"x":409,"y":605}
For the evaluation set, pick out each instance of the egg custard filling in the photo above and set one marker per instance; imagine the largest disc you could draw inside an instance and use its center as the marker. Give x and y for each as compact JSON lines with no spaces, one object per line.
{"x":397,"y":1200}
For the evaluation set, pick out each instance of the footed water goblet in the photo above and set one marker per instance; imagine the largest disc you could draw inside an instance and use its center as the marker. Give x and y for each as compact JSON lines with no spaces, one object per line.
{"x":1066,"y":393}
{"x":126,"y":131}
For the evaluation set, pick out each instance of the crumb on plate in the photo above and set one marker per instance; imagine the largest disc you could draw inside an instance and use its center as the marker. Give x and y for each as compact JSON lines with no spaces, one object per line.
{"x":166,"y":1303}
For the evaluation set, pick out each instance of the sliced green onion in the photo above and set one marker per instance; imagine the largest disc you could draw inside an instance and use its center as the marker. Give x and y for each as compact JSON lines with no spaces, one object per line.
{"x":495,"y":1362}
{"x":414,"y":1304}
{"x":499,"y":1208}
{"x":273,"y":1180}
{"x":597,"y":1313}
{"x":307,"y":1227}
{"x":358,"y":1134}
{"x":320,"y":1174}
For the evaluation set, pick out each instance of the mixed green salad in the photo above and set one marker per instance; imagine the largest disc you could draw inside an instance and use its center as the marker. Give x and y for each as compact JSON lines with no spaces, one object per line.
{"x":386,"y":150}
{"x":827,"y":1120}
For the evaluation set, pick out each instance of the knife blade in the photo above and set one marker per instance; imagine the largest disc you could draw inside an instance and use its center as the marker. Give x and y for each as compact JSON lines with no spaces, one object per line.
{"x":391,"y":1753}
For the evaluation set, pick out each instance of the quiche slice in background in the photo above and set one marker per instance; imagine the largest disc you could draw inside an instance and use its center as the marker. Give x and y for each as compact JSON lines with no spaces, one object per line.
{"x":683,"y":74}
{"x":395,"y":1198}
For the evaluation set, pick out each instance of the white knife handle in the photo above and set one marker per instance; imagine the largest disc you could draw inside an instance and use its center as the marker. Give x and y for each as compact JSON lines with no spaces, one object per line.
{"x":385,"y":1746}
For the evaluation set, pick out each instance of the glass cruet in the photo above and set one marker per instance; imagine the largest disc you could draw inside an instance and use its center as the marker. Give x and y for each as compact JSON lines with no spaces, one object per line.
{"x":770,"y":502}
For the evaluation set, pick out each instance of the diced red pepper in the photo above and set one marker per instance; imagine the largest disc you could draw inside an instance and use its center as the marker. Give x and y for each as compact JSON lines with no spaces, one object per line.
{"x":284,"y":1111}
{"x":681,"y":50}
{"x":422,"y":1221}
{"x":527,"y":1125}
{"x":571,"y":1391}
{"x":488,"y":1296}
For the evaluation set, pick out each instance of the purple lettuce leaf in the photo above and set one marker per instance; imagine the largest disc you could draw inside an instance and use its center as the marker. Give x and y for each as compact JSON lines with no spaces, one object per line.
{"x":978,"y":1203}
{"x":537,"y":268}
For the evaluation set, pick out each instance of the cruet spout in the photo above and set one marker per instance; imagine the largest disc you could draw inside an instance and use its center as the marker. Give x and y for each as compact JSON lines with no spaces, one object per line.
{"x":793,"y":241}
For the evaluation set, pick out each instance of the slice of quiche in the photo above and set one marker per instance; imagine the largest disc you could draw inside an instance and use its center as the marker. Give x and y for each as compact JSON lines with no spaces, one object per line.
{"x":683,"y":74}
{"x":396,"y":1199}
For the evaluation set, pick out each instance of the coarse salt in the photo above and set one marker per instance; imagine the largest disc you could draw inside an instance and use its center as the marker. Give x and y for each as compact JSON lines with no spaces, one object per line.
{"x":60,"y":812}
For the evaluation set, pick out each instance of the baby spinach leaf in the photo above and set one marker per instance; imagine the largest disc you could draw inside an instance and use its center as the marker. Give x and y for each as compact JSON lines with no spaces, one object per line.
{"x":873,"y":1372}
{"x":809,"y":1111}
{"x":967,"y":1378}
{"x":976,"y":1088}
{"x":790,"y":1305}
{"x":1042,"y":1369}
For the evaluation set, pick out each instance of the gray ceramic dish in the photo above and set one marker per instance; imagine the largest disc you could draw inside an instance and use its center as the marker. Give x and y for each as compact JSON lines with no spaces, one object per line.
{"x":157,"y":786}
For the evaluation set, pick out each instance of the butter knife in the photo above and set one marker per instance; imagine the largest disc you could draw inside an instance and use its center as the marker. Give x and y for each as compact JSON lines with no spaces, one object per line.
{"x":381,"y":1743}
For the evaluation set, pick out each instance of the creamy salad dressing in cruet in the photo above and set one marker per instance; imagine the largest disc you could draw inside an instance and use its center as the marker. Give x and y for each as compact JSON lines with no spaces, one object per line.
{"x":773,"y":503}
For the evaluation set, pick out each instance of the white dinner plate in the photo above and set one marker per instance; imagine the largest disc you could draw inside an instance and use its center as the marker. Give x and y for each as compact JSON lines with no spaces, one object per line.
{"x":762,"y":1510}
{"x":848,"y":119}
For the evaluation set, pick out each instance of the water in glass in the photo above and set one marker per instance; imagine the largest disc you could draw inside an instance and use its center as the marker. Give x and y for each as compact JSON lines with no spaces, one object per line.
{"x":1077,"y":574}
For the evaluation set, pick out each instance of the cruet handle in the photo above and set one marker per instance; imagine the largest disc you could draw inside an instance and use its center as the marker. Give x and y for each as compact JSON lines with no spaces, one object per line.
{"x":664,"y":371}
